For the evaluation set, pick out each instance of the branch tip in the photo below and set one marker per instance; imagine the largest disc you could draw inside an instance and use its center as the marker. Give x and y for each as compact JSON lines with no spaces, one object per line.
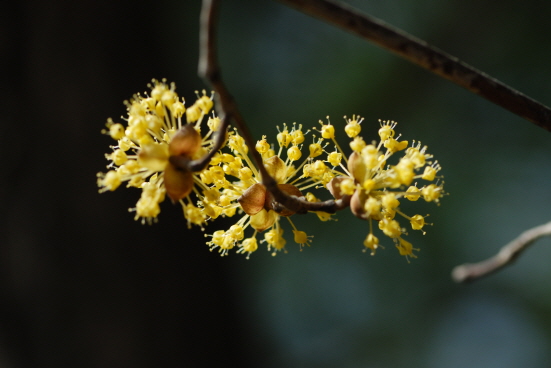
{"x":506,"y":256}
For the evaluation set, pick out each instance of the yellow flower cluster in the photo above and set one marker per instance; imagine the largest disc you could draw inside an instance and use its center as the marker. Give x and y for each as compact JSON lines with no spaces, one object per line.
{"x":154,"y":138}
{"x":376,"y":187}
{"x":154,"y":149}
{"x":238,"y":185}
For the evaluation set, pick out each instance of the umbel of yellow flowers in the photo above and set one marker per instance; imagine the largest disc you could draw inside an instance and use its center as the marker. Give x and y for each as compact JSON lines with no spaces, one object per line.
{"x":161,"y":136}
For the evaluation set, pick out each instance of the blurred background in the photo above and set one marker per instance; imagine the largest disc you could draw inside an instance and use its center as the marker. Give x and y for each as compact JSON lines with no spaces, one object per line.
{"x":84,"y":285}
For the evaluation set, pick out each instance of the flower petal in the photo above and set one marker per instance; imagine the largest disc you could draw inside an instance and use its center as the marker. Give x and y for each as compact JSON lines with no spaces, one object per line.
{"x":356,"y":167}
{"x":263,"y":220}
{"x":276,"y":168}
{"x":153,"y":156}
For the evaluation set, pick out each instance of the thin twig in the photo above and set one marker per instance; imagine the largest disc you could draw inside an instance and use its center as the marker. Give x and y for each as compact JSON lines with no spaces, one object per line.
{"x":207,"y":58}
{"x":506,"y":256}
{"x":426,"y":56}
{"x":227,"y":110}
{"x":219,"y":140}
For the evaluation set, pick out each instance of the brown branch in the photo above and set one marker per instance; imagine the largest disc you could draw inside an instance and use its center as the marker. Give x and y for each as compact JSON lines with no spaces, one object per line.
{"x":506,"y":256}
{"x":426,"y":56}
{"x":207,"y":58}
{"x":227,"y":110}
{"x":219,"y":140}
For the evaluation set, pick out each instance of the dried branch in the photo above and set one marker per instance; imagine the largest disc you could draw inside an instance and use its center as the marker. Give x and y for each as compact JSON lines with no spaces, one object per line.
{"x":227,"y":110}
{"x":426,"y":56}
{"x":506,"y":256}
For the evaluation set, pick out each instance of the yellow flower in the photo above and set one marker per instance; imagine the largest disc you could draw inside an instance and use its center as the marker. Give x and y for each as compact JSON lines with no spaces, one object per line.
{"x":153,"y":150}
{"x":374,"y":187}
{"x":406,"y":248}
{"x":158,"y":151}
{"x":242,"y":187}
{"x":377,"y":188}
{"x":371,"y":242}
{"x":353,"y":127}
{"x":301,"y":237}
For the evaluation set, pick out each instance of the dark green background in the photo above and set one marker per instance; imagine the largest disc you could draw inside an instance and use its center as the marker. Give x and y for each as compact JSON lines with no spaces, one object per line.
{"x":84,"y":285}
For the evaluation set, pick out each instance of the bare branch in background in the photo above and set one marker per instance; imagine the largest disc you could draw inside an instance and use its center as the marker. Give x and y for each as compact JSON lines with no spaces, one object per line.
{"x":506,"y":256}
{"x":426,"y":56}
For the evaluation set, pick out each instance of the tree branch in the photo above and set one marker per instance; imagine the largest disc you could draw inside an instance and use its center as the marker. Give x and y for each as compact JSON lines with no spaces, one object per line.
{"x":410,"y":48}
{"x":506,"y":256}
{"x":426,"y":56}
{"x":227,"y":110}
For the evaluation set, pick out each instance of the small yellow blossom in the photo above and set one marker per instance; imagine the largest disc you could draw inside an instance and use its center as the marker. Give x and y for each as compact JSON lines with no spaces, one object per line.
{"x":358,"y":144}
{"x":262,"y":146}
{"x":431,"y":192}
{"x":275,"y":240}
{"x":294,"y":153}
{"x":248,"y":246}
{"x":327,"y":130}
{"x":371,"y":242}
{"x":334,"y":158}
{"x":406,"y":248}
{"x":413,"y":193}
{"x":348,"y":187}
{"x":301,"y":238}
{"x":387,"y":130}
{"x":353,"y":127}
{"x":391,"y":228}
{"x":109,"y":181}
{"x":417,"y":222}
{"x":315,"y":149}
{"x":284,"y":138}
{"x":297,"y":135}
